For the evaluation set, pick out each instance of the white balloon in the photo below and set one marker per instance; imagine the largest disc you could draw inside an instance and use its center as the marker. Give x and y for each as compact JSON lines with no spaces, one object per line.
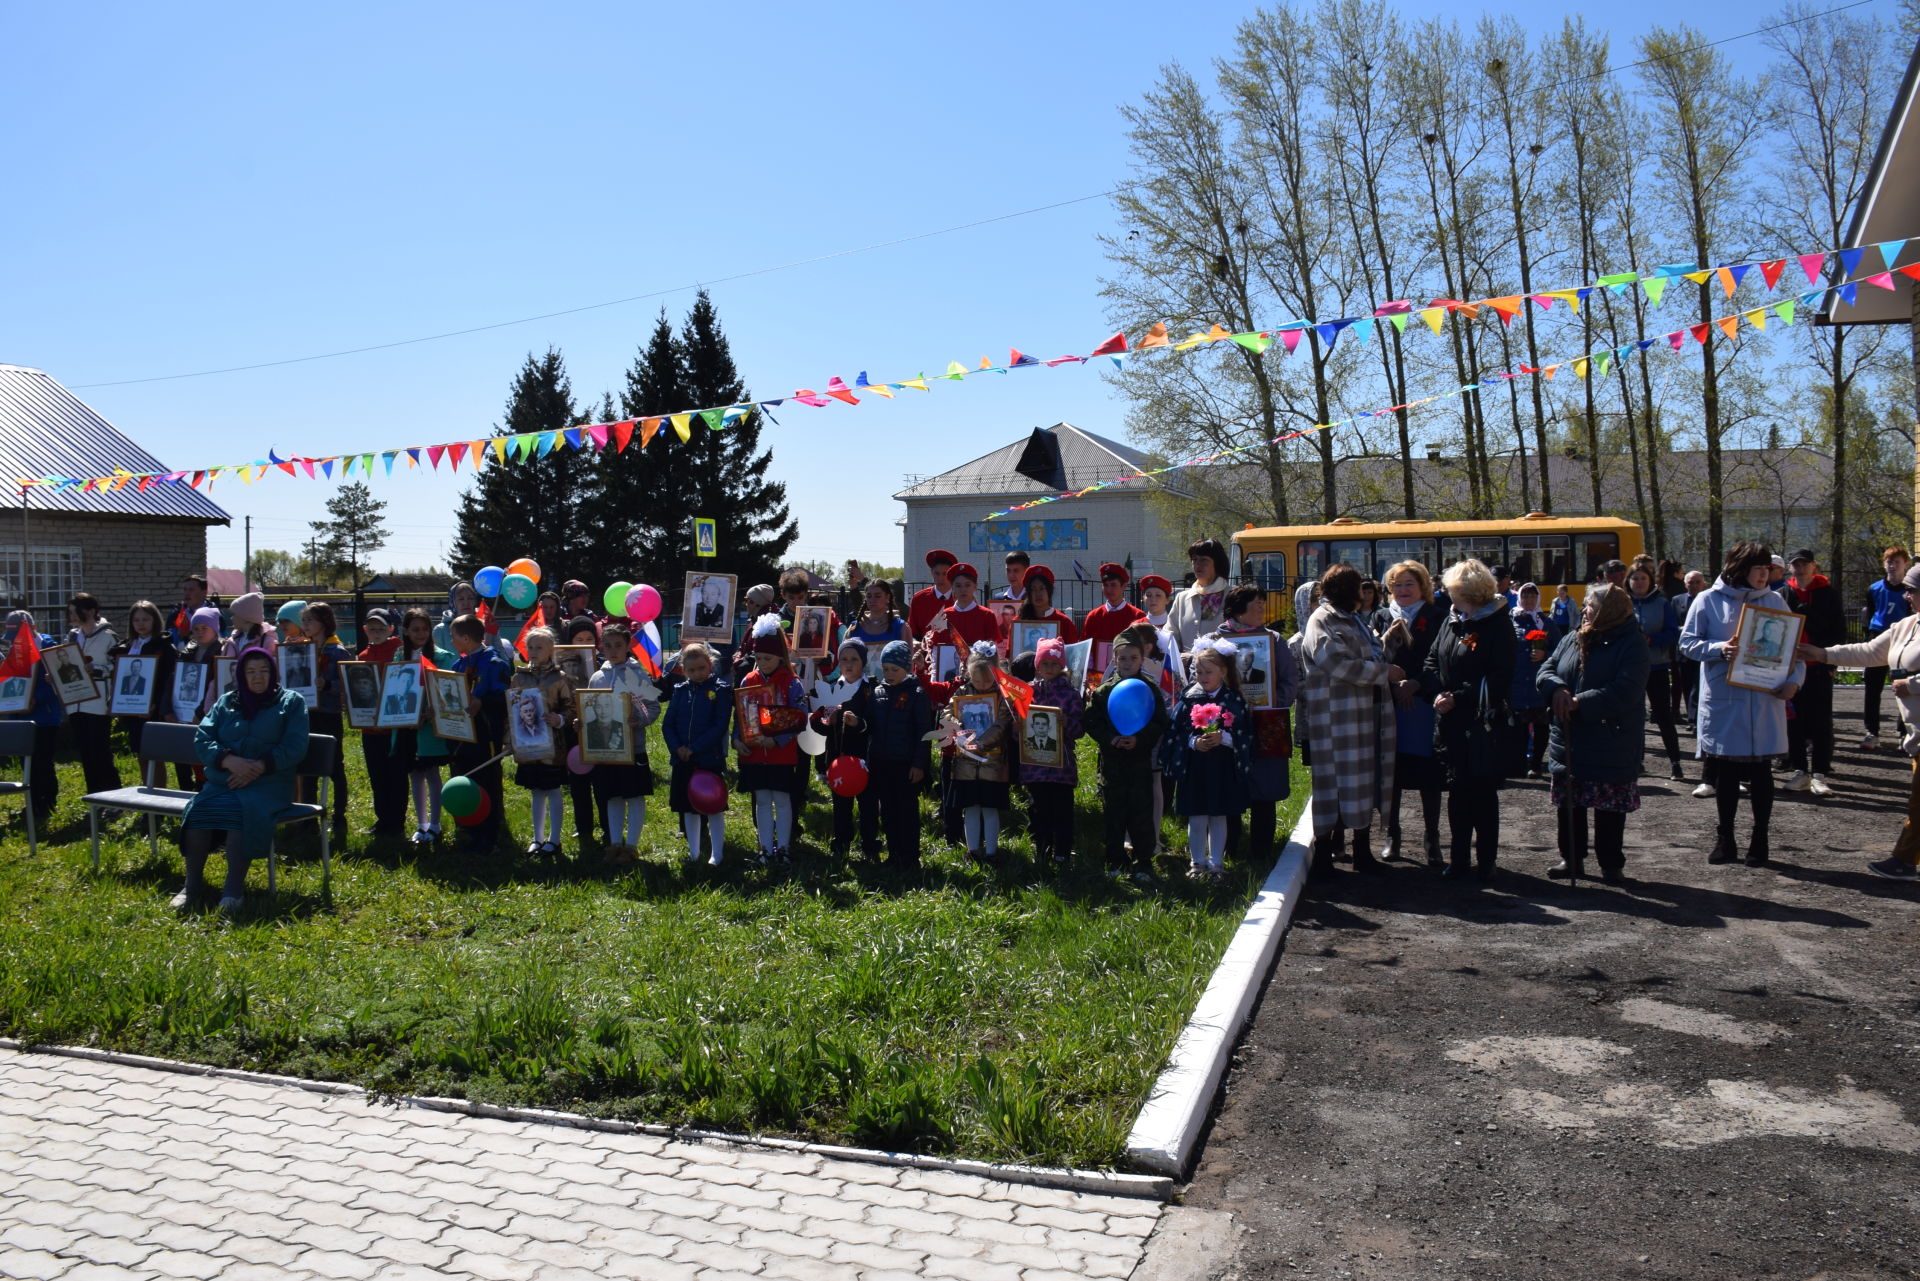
{"x":811,"y":740}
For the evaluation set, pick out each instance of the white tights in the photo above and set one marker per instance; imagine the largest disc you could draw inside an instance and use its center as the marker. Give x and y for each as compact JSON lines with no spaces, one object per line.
{"x":981,"y":824}
{"x":546,"y":815}
{"x":716,"y":826}
{"x":625,"y":816}
{"x":1207,"y":840}
{"x":773,"y":818}
{"x":426,"y":798}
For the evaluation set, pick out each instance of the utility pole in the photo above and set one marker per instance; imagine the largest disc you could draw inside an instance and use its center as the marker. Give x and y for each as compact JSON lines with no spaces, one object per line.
{"x":246,"y":561}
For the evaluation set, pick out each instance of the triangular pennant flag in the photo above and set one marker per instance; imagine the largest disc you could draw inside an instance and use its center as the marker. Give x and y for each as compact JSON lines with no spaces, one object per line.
{"x":808,"y":396}
{"x":1156,"y":335}
{"x":1884,"y":280}
{"x":413,"y":458}
{"x":1770,"y":271}
{"x":1290,"y":338}
{"x":1619,"y":280}
{"x":1119,"y":362}
{"x":598,"y":431}
{"x":1543,"y":301}
{"x":713,"y":418}
{"x":955,"y":370}
{"x":878,"y":389}
{"x":622,"y":435}
{"x":649,"y":427}
{"x":246,"y":477}
{"x":1739,"y":272}
{"x":1600,"y":363}
{"x":1399,"y":319}
{"x":1890,"y":251}
{"x":1330,"y":332}
{"x":1068,"y":360}
{"x":1850,"y":260}
{"x":1256,"y":343}
{"x":1643,"y":344}
{"x":1363,"y":329}
{"x":1111,"y":347}
{"x":1911,"y":271}
{"x":477,"y":451}
{"x":521,"y":446}
{"x":1433,"y":316}
{"x":985,"y":365}
{"x":918,"y":384}
{"x":1507,"y":307}
{"x":1580,"y":367}
{"x":1700,"y":333}
{"x":1813,"y":264}
{"x":572,"y":436}
{"x":682,"y":426}
{"x":838,"y":390}
{"x":454,"y":454}
{"x":1677,"y":337}
{"x":500,"y":444}
{"x":1727,"y":281}
{"x":1190,"y":342}
{"x":1758,"y":318}
{"x":325,"y":466}
{"x":1216,"y":333}
{"x":1549,"y":371}
{"x":543,"y":443}
{"x":1017,"y":358}
{"x":433,"y":455}
{"x":1656,"y":288}
{"x":1729,"y":325}
{"x":1698,"y":277}
{"x":1848,"y":292}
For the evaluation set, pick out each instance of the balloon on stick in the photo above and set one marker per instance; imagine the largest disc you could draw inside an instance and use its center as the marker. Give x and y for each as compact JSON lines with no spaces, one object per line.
{"x":480,"y":815}
{"x":614,"y":599}
{"x":526,"y":565}
{"x":1130,"y":706}
{"x":487,"y":581}
{"x":461,"y":797}
{"x":706,"y":792}
{"x":519,"y":591}
{"x":642,"y":603}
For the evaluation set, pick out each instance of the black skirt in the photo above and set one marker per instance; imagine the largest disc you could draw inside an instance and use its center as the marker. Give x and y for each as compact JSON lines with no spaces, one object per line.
{"x":760,"y":777}
{"x":965,"y":793}
{"x":1212,"y":785}
{"x":540,"y":776}
{"x":677,"y":785}
{"x":622,"y":782}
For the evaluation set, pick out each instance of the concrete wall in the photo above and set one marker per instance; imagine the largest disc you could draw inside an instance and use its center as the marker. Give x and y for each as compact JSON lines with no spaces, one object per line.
{"x":1120,"y":524}
{"x":121,"y":560}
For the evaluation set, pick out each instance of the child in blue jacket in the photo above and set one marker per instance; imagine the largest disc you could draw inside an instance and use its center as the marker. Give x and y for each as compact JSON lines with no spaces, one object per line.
{"x":696,"y":728}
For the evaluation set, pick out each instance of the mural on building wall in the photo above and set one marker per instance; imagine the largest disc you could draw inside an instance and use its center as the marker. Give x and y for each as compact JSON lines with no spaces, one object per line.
{"x":1027,"y":535}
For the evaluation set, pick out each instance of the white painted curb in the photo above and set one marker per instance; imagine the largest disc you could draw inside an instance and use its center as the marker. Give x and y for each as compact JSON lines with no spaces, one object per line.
{"x":1167,"y":1130}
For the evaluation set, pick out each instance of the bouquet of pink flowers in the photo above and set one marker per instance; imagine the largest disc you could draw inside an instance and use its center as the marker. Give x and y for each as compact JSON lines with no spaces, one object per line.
{"x":1208,"y":717}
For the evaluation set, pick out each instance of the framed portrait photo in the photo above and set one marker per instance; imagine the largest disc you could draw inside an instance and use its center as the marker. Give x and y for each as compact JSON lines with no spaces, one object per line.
{"x":66,"y":668}
{"x":297,"y":672}
{"x":189,"y":691}
{"x":527,"y":729}
{"x":812,"y":635}
{"x":1079,"y":660}
{"x":707,"y":613}
{"x":578,"y":661}
{"x":1254,"y":656}
{"x":1042,"y":741}
{"x":1767,"y":640}
{"x":975,"y":712}
{"x":1006,"y":611}
{"x":451,"y":718}
{"x":16,"y":695}
{"x":134,"y":685}
{"x":604,"y":736}
{"x":400,"y":697}
{"x":224,"y":670}
{"x":361,"y":684}
{"x":1026,"y":634}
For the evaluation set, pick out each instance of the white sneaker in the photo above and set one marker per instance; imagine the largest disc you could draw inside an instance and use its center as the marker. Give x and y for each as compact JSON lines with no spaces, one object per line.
{"x":180,"y":901}
{"x":229,"y":904}
{"x":1870,"y":743}
{"x":1706,"y":791}
{"x":1818,"y":786}
{"x":1798,"y":781}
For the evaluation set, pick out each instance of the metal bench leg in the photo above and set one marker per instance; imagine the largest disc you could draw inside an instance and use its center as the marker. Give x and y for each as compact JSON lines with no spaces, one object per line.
{"x":326,"y":833}
{"x":93,"y":827}
{"x":273,"y":858}
{"x":153,"y":836}
{"x":26,"y":783}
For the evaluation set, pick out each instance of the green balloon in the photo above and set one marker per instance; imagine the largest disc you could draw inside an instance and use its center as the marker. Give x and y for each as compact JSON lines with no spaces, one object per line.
{"x":519,"y":591}
{"x":615,"y":601}
{"x":460,"y":797}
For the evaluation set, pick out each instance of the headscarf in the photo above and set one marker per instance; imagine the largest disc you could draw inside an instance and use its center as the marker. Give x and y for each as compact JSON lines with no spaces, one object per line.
{"x":1615,"y":606}
{"x":250,"y":702}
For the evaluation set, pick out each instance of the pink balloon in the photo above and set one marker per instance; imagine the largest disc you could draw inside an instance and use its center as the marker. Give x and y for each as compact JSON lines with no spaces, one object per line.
{"x":706,"y":792}
{"x":576,"y":762}
{"x":643,"y":604}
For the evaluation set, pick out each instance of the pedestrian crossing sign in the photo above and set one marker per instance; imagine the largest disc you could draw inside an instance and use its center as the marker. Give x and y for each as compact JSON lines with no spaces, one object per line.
{"x":705,"y":540}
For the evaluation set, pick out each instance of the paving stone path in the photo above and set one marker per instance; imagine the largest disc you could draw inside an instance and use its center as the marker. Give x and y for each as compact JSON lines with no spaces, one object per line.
{"x":127,"y":1172}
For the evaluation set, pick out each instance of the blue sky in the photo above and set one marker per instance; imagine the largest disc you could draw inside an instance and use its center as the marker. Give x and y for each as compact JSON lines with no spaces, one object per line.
{"x":217,"y":186}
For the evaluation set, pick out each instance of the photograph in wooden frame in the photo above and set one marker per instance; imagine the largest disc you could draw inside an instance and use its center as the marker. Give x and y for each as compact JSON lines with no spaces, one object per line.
{"x":66,"y":669}
{"x":452,"y":718}
{"x":605,"y":736}
{"x":135,"y":686}
{"x":401,"y":704}
{"x":1025,"y":634}
{"x":361,"y":684}
{"x":16,"y":695}
{"x":298,"y":672}
{"x":1043,"y":737}
{"x":1767,"y":640}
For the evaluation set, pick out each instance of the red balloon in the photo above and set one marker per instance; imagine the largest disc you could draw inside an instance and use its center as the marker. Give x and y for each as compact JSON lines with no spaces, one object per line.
{"x":706,"y":792}
{"x":847,"y":776}
{"x":480,"y":812}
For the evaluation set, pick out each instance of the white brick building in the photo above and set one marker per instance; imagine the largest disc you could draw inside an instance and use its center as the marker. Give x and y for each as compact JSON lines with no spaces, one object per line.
{"x":1071,"y":537}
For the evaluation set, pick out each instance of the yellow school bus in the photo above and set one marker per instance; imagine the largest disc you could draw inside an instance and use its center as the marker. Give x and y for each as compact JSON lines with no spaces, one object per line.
{"x":1535,"y":548}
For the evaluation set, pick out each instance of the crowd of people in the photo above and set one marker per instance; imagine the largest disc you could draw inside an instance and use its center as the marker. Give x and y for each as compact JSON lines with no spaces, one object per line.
{"x":1399,"y":692}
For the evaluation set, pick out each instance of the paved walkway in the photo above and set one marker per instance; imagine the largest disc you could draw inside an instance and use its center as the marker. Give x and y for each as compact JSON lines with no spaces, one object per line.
{"x":111,"y":1171}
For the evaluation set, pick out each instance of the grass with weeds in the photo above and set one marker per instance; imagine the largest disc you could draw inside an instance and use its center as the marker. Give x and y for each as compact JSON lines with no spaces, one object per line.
{"x":1006,"y":1014}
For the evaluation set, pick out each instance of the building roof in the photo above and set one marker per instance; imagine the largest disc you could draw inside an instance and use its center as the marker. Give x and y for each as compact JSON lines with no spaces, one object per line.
{"x":46,"y":430}
{"x":1888,"y":209}
{"x":1085,"y":459}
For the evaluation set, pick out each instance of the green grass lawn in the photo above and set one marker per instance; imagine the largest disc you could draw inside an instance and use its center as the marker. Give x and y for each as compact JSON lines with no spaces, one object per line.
{"x":1003,"y":1014}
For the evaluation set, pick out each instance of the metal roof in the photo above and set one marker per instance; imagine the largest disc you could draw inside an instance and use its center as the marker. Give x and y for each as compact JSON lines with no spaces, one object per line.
{"x":46,"y":430}
{"x":1085,"y":459}
{"x":1886,"y":210}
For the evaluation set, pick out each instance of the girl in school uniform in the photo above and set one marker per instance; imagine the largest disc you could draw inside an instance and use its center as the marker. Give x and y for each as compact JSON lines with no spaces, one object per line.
{"x":92,"y":728}
{"x":1050,"y":787}
{"x":147,"y":637}
{"x":1209,"y":755}
{"x":844,"y":725}
{"x":329,"y":713}
{"x":581,"y":629}
{"x":769,"y":756}
{"x":622,"y":790}
{"x":977,"y":786}
{"x":423,"y":751}
{"x":545,"y":778}
{"x":695,"y":729}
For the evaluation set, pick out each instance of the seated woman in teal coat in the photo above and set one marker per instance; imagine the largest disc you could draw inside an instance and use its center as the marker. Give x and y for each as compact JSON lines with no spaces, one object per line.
{"x":251,"y":742}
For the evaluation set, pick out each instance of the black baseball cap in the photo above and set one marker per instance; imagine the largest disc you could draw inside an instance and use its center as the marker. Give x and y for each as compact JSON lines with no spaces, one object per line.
{"x":1803,"y":554}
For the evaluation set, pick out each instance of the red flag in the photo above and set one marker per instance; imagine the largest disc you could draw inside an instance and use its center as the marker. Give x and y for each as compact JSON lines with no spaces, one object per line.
{"x":1018,"y":693}
{"x":536,"y":619}
{"x":24,"y":654}
{"x":1112,"y":346}
{"x":484,"y":613}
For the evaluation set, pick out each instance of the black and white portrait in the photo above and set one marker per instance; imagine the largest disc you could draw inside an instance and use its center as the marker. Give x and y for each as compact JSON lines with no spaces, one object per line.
{"x":708,"y":611}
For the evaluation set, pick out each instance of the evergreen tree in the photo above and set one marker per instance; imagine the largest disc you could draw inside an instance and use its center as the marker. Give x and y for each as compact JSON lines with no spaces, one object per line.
{"x":533,"y":506}
{"x":640,"y":492}
{"x":353,"y":531}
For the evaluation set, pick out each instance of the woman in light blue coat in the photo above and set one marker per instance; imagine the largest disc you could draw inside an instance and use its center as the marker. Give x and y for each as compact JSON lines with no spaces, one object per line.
{"x":1740,"y":730}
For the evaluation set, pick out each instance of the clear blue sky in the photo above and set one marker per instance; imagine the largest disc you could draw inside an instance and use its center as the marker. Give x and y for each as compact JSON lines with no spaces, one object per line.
{"x":214,"y":186}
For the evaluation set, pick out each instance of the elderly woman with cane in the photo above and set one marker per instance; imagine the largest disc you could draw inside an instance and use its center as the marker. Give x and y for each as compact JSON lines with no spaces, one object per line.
{"x":251,"y":742}
{"x":1595,"y":685}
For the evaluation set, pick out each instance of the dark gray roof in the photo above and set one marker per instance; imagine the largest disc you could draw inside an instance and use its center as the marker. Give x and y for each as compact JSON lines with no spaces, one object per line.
{"x":1085,"y":459}
{"x":1885,"y":210}
{"x":46,"y":430}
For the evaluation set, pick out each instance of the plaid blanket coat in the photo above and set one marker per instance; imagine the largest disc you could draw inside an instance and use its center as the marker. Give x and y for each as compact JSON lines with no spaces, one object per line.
{"x":1347,"y":720}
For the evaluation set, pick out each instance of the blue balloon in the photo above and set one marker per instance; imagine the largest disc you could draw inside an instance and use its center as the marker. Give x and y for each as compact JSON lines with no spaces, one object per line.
{"x":487,"y":581}
{"x":1130,"y":706}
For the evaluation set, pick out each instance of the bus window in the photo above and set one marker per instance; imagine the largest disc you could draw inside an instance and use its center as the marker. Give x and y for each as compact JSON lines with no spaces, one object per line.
{"x":1357,"y":552}
{"x":1545,"y":559}
{"x":1268,"y":570}
{"x":1596,"y":550}
{"x":1313,"y":559}
{"x":1389,"y":552}
{"x":1488,"y":549}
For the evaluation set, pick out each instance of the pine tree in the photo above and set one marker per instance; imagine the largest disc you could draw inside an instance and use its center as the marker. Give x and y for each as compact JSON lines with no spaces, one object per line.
{"x":353,"y":531}
{"x":533,"y":506}
{"x":639,"y":504}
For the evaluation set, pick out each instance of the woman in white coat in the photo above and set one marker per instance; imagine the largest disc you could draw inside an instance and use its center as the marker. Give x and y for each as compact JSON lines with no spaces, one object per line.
{"x":1740,"y":730}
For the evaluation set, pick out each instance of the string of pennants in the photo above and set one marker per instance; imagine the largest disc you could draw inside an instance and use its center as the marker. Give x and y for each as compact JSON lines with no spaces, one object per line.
{"x":504,"y":450}
{"x":1595,"y":362}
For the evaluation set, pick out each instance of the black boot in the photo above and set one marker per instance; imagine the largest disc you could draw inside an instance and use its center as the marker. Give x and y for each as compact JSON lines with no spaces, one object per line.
{"x":1757,"y":850}
{"x":1723,"y":851}
{"x":1323,"y":853}
{"x":1363,"y":859}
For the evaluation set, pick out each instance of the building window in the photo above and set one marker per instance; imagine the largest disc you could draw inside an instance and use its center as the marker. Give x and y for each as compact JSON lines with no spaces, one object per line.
{"x":43,"y":584}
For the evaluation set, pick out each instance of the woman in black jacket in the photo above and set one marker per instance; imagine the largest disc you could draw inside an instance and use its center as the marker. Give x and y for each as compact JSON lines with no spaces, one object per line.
{"x":1407,"y":627}
{"x":1596,"y":685}
{"x":1468,"y":674}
